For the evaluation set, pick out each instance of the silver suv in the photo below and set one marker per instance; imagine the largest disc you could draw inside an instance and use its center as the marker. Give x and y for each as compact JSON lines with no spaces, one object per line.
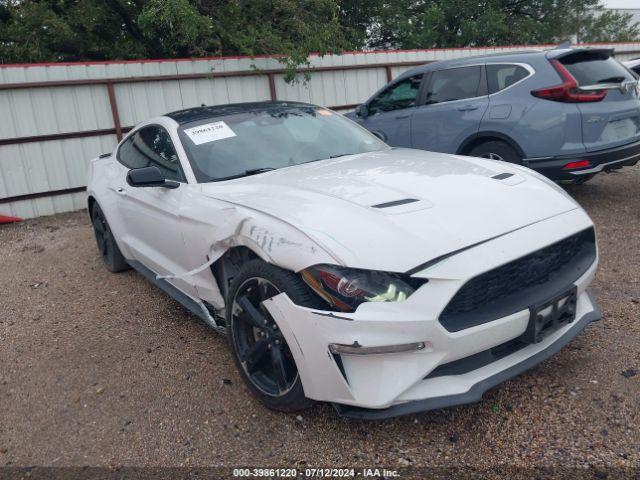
{"x":568,"y":113}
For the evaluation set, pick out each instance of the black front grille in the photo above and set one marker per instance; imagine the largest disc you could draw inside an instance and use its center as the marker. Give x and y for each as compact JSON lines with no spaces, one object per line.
{"x":522,"y":283}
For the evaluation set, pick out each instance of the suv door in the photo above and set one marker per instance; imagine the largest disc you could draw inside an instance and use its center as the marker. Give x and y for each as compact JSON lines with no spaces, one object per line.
{"x":390,"y":111}
{"x":151,"y":215}
{"x":454,"y":102}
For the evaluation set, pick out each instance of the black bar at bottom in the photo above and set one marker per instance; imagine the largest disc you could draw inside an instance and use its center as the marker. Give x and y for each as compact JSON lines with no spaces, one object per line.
{"x":50,"y":193}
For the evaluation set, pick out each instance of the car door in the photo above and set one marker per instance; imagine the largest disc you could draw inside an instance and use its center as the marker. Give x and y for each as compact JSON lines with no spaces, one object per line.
{"x":390,"y":111}
{"x":151,"y":215}
{"x":453,"y":104}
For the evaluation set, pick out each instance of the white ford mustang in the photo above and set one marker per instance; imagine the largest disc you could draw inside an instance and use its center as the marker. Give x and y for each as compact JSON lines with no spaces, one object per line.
{"x":385,"y":281}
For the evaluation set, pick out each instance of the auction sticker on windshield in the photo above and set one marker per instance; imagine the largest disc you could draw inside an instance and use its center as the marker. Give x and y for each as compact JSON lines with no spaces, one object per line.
{"x":209,"y":132}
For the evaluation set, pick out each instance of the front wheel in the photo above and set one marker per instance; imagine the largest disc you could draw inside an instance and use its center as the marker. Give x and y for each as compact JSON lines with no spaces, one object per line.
{"x":259,"y":348}
{"x":496,"y":150}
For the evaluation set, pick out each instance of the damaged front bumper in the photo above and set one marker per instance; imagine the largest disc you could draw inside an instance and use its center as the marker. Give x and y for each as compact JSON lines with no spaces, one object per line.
{"x":394,"y":358}
{"x":481,"y":381}
{"x":384,"y":385}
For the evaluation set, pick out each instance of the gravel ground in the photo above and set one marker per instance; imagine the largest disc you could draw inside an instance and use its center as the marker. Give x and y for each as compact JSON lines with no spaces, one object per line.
{"x":105,"y":370}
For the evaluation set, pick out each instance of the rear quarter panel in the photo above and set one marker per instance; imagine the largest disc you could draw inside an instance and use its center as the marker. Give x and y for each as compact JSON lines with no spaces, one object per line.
{"x":541,"y":128}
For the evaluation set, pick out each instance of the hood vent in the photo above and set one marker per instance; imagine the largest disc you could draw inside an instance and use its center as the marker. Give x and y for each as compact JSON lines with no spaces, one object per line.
{"x":502,"y":176}
{"x":395,"y":203}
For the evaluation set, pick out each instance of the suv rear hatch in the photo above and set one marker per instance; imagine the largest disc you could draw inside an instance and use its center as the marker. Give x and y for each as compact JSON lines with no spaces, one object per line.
{"x":614,"y":119}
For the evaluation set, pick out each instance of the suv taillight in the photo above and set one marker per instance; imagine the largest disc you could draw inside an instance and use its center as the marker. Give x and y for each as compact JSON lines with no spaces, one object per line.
{"x":569,"y":90}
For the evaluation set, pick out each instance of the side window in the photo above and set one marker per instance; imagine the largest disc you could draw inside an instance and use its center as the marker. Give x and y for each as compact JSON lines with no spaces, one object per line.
{"x":398,"y":96}
{"x":151,"y":146}
{"x":500,"y":77}
{"x":454,"y":84}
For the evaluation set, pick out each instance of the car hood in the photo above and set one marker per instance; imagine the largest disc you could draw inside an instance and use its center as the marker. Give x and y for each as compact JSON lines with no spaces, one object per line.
{"x":395,"y":209}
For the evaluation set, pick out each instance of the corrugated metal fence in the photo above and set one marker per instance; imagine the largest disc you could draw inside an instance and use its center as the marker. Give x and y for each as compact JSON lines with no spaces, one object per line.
{"x":56,"y":117}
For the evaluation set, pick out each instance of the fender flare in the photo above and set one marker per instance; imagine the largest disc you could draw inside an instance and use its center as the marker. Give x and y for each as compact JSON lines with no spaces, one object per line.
{"x":487,"y":136}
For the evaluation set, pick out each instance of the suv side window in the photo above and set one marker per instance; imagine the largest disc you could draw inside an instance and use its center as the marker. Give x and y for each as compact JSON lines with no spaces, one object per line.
{"x":398,"y":96}
{"x":454,"y":84}
{"x":151,"y":146}
{"x":500,"y":77}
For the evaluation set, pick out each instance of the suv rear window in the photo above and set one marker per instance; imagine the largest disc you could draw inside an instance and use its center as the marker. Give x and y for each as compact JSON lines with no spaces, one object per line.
{"x":500,"y":77}
{"x":589,"y":68}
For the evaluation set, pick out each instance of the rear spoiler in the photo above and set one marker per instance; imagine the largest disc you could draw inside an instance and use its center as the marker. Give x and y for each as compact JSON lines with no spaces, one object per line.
{"x":600,"y":53}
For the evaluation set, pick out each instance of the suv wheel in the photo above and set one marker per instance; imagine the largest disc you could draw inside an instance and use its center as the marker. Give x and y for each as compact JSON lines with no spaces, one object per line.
{"x":496,"y":150}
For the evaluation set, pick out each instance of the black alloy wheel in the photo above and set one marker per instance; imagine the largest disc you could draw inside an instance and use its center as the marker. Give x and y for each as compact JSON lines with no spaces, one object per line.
{"x":259,"y":348}
{"x":264,"y":354}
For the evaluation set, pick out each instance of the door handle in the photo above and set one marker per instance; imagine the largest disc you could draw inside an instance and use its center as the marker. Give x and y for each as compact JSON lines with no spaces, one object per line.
{"x":405,"y":115}
{"x":468,"y":108}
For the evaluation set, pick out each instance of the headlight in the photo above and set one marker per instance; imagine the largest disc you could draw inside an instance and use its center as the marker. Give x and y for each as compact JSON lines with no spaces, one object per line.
{"x":346,"y":288}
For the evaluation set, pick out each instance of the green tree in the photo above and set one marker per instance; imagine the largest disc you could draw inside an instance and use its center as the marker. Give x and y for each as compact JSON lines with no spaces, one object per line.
{"x":176,"y":28}
{"x":293,"y":28}
{"x":67,"y":30}
{"x":466,"y":23}
{"x":591,"y":22}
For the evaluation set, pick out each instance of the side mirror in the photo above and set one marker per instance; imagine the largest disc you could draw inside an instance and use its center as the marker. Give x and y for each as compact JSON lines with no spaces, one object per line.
{"x":381,"y":135}
{"x":362,"y":110}
{"x":149,"y":177}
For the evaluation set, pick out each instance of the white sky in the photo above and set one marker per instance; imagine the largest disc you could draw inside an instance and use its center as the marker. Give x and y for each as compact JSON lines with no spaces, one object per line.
{"x":621,"y":3}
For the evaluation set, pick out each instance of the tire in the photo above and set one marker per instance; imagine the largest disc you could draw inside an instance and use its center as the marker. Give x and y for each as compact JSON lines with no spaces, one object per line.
{"x":259,"y":350}
{"x":496,"y":150}
{"x":107,"y":246}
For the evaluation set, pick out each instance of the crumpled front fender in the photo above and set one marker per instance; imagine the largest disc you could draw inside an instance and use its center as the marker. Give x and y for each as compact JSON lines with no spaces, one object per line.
{"x":212,"y":227}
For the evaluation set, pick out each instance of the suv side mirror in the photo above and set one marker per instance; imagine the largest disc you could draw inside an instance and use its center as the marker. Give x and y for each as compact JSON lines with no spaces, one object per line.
{"x":362,"y":110}
{"x":149,"y":177}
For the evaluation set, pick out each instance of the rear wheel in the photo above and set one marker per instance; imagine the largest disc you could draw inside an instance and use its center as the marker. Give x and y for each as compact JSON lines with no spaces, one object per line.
{"x":496,"y":150}
{"x":107,"y":246}
{"x":259,"y":348}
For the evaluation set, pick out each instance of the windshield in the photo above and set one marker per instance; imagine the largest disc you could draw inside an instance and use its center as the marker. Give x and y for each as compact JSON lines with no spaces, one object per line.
{"x":247,"y":143}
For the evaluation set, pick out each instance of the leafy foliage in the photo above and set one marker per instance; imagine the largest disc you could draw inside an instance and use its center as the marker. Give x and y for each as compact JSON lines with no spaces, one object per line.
{"x":465,"y":23}
{"x":293,"y":28}
{"x":68,"y":30}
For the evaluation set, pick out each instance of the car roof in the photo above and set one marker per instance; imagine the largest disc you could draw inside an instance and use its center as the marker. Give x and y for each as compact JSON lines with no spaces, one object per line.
{"x":202,"y":113}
